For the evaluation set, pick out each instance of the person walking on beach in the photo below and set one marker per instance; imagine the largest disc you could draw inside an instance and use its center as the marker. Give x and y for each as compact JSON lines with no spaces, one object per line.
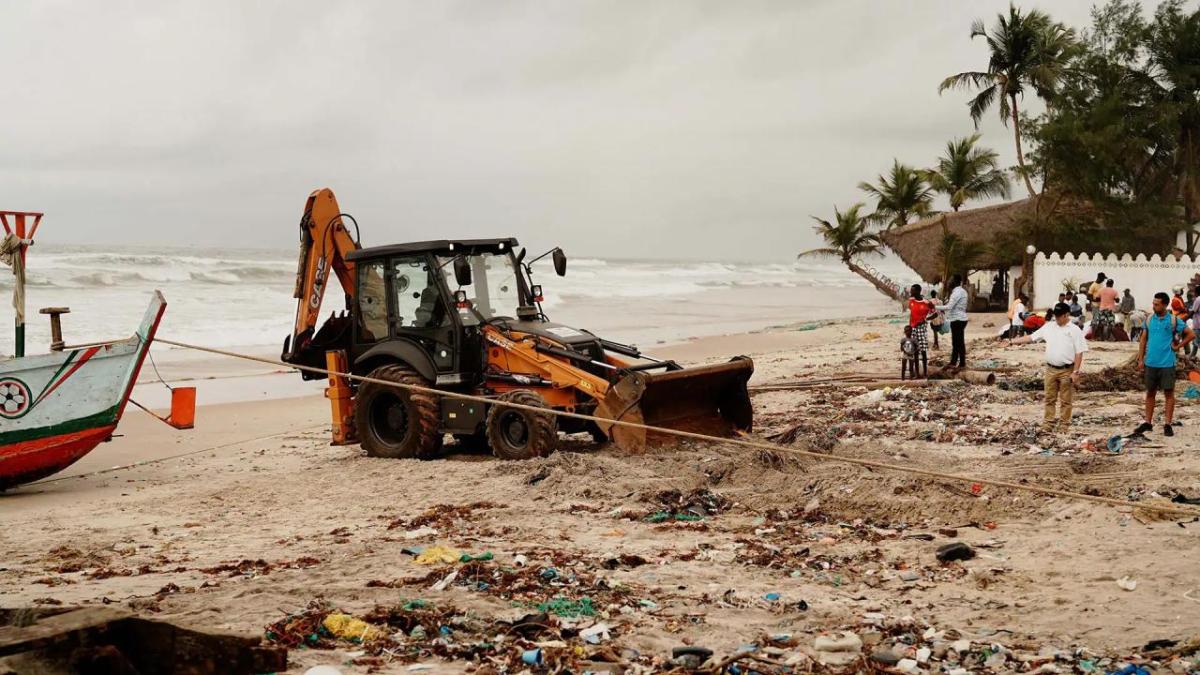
{"x":1128,"y":304}
{"x":1193,"y":321}
{"x":1093,"y":294}
{"x":1102,"y":328}
{"x":1016,"y":324}
{"x":1163,"y":335}
{"x":935,"y":319}
{"x":919,"y":310}
{"x":1065,"y":348}
{"x":955,"y":311}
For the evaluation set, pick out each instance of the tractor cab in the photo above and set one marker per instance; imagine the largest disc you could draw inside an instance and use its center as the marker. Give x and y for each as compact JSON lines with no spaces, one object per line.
{"x":425,"y":303}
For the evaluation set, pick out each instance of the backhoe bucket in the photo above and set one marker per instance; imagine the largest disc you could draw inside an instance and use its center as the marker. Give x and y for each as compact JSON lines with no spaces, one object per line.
{"x":710,"y":400}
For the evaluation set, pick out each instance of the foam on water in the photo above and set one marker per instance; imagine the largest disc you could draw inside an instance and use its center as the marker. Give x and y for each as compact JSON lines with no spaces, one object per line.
{"x":243,"y":298}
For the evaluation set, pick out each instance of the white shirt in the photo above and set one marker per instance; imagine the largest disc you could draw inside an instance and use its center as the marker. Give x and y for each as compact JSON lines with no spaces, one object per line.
{"x":1062,"y":342}
{"x":956,"y":307}
{"x":1018,"y":310}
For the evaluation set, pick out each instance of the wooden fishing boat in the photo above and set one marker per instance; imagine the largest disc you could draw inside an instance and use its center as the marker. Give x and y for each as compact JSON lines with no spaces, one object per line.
{"x":57,"y":407}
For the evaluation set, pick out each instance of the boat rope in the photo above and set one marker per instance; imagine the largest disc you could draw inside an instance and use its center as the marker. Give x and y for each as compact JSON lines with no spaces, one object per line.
{"x":168,"y":458}
{"x":742,"y":442}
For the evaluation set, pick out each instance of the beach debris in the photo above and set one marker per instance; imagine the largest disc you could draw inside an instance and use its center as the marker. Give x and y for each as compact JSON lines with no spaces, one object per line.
{"x":838,"y":649}
{"x":690,"y":657}
{"x":1127,"y":584}
{"x":955,"y":551}
{"x":323,"y":670}
{"x":438,"y":554}
{"x":348,"y":628}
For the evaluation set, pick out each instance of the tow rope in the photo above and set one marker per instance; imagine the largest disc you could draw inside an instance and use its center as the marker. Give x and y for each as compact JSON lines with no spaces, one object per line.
{"x":742,"y":442}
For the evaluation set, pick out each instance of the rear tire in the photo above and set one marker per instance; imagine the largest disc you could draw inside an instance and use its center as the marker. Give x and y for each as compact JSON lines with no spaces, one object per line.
{"x":397,"y":423}
{"x":521,"y":434}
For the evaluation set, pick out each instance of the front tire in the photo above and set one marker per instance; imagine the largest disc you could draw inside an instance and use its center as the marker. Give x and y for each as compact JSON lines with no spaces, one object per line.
{"x":521,"y":434}
{"x":394,"y":422}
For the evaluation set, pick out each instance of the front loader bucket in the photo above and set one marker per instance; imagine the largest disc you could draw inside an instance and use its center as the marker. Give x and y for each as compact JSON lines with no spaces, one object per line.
{"x":710,"y":400}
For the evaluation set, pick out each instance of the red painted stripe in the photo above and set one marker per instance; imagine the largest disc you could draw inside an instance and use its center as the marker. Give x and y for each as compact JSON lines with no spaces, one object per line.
{"x":78,"y":364}
{"x":30,"y":460}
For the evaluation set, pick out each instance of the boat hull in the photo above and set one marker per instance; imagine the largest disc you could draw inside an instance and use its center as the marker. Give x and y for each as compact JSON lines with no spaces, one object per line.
{"x":57,"y":407}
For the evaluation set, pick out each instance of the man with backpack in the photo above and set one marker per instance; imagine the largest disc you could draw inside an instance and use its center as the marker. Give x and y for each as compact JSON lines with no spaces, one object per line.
{"x":1164,"y":334}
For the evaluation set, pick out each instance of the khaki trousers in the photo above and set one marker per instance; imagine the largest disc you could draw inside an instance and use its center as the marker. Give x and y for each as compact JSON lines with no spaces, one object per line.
{"x":1058,"y":388}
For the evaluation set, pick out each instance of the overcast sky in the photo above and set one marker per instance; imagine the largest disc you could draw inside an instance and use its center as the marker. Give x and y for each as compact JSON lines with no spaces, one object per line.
{"x":634,"y":129}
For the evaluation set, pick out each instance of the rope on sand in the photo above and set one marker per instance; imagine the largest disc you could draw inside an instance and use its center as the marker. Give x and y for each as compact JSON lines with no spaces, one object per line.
{"x":742,"y":442}
{"x":168,"y":458}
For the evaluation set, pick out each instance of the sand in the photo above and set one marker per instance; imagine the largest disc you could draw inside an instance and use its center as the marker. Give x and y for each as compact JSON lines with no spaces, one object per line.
{"x":262,"y":483}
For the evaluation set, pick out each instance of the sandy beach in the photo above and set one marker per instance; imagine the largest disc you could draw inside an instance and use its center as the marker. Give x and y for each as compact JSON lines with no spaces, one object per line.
{"x":252,"y":517}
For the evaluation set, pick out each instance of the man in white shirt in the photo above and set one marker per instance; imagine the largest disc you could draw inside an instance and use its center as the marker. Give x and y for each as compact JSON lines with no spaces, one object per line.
{"x":1065,"y":347}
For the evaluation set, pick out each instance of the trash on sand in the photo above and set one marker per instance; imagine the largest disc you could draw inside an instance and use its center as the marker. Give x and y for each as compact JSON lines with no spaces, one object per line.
{"x":520,"y":560}
{"x":772,"y":597}
{"x":1180,"y":499}
{"x":322,"y":670}
{"x":955,"y":551}
{"x":837,"y":649}
{"x":1116,"y":444}
{"x":420,"y":532}
{"x":596,"y":634}
{"x":438,"y":554}
{"x":445,"y":581}
{"x":1127,"y":584}
{"x":349,"y":628}
{"x":532,"y":657}
{"x":690,"y":657}
{"x":1192,"y":393}
{"x":467,"y":557}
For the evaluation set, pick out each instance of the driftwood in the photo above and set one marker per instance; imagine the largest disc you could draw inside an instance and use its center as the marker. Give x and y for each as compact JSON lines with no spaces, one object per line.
{"x":110,"y":640}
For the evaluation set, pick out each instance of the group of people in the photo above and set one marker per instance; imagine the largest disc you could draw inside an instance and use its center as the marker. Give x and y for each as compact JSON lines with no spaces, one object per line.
{"x":925,"y":314}
{"x":1164,"y":334}
{"x":1161,"y":335}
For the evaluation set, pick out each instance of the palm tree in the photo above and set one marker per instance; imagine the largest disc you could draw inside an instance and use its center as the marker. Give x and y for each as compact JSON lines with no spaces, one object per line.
{"x":967,"y":172}
{"x":958,"y":255}
{"x":1027,"y":50}
{"x":899,"y":196}
{"x":850,"y":239}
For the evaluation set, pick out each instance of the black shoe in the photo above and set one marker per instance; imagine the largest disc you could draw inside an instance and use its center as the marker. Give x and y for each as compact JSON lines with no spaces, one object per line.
{"x":1167,"y":430}
{"x":1143,"y":428}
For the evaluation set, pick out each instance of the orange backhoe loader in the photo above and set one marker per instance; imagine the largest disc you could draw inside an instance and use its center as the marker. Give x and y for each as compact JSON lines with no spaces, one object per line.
{"x":464,"y":316}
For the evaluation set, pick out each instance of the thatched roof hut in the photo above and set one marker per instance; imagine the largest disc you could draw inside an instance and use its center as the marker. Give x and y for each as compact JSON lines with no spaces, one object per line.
{"x":918,"y":243}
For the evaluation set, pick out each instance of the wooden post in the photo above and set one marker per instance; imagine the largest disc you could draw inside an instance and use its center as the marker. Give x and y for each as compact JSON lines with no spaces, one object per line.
{"x":18,"y":227}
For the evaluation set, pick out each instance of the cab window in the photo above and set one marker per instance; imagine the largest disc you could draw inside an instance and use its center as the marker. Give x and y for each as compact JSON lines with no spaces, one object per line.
{"x":372,"y":303}
{"x":419,"y":302}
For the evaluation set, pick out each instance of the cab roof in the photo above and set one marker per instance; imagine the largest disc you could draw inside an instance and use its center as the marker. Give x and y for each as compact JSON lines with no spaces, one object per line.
{"x":444,"y":246}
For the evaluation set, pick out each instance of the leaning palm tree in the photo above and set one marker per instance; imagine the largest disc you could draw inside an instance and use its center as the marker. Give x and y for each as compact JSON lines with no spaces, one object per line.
{"x":899,"y":195}
{"x":849,"y":238}
{"x":967,"y":172}
{"x":1027,"y":50}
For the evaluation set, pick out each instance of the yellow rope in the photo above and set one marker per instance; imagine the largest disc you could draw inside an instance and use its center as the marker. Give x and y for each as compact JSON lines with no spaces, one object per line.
{"x":758,"y":445}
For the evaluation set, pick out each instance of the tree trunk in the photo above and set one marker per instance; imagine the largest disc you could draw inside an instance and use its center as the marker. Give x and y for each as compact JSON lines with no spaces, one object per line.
{"x":893,"y":292}
{"x":1016,"y":119}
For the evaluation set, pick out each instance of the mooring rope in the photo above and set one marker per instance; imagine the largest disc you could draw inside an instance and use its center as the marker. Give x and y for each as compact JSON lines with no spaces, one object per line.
{"x":189,"y":453}
{"x":757,"y":445}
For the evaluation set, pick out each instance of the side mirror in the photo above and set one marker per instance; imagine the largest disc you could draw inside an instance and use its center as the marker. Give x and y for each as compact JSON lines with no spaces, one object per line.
{"x":462,"y":271}
{"x":560,"y":262}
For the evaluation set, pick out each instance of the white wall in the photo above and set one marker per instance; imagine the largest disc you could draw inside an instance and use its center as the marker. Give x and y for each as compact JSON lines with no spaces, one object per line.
{"x":1143,"y":276}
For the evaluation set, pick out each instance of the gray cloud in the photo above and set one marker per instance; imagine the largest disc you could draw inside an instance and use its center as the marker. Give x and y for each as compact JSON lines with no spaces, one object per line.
{"x":703,"y":129}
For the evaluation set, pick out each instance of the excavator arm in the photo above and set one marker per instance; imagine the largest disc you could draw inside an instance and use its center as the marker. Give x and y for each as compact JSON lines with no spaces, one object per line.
{"x":324,"y":243}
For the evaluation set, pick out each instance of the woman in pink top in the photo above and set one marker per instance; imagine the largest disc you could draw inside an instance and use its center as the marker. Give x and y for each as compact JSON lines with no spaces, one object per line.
{"x":1105,"y":319}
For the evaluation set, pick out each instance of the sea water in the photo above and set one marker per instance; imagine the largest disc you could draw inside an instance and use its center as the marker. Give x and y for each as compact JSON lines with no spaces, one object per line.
{"x":243,"y":298}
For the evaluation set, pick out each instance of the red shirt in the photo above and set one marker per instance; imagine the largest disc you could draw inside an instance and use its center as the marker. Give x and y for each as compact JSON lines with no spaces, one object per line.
{"x":918,"y":310}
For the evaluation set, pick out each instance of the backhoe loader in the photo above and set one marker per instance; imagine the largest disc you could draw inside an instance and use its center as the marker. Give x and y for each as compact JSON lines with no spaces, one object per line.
{"x":465,"y":316}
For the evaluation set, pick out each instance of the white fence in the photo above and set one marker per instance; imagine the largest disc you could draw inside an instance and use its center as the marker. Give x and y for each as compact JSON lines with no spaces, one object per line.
{"x":1141,"y":275}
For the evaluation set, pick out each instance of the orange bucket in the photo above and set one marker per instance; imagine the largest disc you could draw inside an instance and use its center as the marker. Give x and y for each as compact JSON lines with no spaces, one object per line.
{"x":183,"y":408}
